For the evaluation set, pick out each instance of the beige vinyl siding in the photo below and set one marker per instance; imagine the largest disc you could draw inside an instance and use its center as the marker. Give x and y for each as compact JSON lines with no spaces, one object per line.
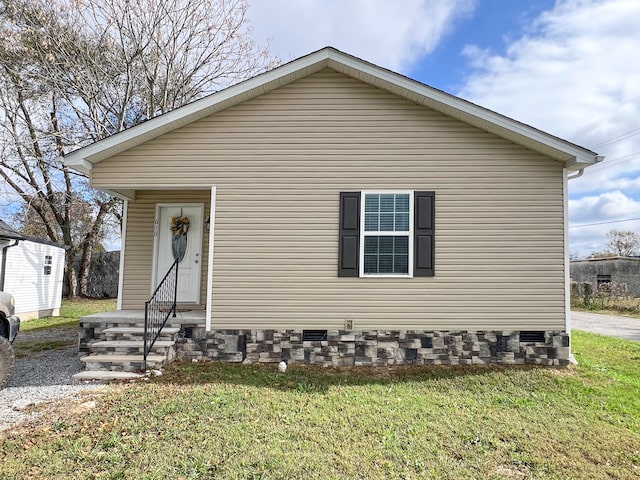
{"x":279,"y":162}
{"x":138,"y":260}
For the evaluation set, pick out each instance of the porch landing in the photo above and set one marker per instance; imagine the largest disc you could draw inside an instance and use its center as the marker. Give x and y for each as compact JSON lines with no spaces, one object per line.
{"x":182,"y":316}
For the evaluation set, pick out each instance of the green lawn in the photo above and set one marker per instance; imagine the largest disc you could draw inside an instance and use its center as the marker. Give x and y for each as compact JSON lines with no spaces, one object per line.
{"x":70,"y":313}
{"x":234,"y":421}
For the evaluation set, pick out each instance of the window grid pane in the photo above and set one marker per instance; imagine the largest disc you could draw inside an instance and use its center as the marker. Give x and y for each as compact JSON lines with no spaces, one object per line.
{"x":371,"y":222}
{"x":385,"y":254}
{"x":386,"y":212}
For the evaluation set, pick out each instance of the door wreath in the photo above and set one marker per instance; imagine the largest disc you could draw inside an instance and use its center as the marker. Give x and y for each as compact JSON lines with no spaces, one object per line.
{"x":179,"y":228}
{"x":180,"y":225}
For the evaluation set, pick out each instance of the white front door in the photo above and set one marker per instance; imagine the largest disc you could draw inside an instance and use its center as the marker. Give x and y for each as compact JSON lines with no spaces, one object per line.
{"x":190,"y":268}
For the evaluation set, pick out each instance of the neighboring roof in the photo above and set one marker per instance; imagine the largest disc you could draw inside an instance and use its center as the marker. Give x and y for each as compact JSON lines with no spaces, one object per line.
{"x":8,"y":233}
{"x":602,"y":259}
{"x":573,"y":156}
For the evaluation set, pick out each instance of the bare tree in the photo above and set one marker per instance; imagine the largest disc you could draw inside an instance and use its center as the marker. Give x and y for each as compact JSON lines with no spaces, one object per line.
{"x":89,"y":231}
{"x":74,"y":72}
{"x":623,"y":243}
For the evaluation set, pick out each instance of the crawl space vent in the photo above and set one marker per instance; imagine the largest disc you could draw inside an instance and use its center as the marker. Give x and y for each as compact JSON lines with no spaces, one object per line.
{"x":531,"y":337}
{"x":314,"y":335}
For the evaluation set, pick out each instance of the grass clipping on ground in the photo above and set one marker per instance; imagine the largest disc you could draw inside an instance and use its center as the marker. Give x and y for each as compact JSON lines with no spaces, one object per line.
{"x":250,"y":421}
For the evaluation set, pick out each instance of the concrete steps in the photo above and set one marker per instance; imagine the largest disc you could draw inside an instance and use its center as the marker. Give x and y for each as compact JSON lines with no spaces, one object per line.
{"x":112,"y":345}
{"x":130,"y":346}
{"x":136,"y":333}
{"x":121,"y":362}
{"x":106,"y":375}
{"x":129,"y":325}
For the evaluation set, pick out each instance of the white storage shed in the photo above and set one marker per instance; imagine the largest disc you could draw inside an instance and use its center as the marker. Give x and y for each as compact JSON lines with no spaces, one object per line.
{"x":32,"y":270}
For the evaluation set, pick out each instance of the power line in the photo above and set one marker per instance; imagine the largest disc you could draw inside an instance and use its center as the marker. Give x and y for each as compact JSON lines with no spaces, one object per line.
{"x":618,"y":158}
{"x":603,"y":223}
{"x":610,"y":163}
{"x":622,"y":136}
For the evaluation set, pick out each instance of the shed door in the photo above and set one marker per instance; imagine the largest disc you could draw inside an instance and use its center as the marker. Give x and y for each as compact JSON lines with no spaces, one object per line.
{"x":167,"y":245}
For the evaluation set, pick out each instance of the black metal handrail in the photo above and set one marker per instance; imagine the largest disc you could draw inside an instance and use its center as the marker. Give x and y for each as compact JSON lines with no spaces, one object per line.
{"x":158,"y":309}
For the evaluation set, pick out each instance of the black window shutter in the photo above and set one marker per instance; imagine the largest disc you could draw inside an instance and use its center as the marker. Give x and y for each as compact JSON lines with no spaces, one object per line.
{"x":348,"y":248}
{"x":424,"y":240}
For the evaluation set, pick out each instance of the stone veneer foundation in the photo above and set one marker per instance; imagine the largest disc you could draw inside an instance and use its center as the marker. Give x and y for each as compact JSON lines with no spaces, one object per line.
{"x":376,"y":347}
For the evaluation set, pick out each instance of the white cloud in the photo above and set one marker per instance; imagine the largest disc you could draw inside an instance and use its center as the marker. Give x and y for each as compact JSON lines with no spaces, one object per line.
{"x":387,"y":33}
{"x":622,"y":162}
{"x":624,"y":183}
{"x":574,"y":75}
{"x":625,"y":177}
{"x":611,"y":205}
{"x":596,"y":209}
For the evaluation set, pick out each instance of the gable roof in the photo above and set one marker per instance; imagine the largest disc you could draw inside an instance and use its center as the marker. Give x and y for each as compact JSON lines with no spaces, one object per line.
{"x":573,"y":156}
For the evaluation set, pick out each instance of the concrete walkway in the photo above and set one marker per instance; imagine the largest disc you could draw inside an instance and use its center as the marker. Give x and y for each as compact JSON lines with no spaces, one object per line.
{"x":621,"y":327}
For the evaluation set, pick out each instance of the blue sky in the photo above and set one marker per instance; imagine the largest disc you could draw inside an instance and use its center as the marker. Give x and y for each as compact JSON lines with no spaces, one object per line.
{"x":492,"y":24}
{"x":568,"y":67}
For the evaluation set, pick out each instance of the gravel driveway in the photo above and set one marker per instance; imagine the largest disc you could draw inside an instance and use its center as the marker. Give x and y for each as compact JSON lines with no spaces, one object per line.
{"x":621,"y":327}
{"x":41,"y":376}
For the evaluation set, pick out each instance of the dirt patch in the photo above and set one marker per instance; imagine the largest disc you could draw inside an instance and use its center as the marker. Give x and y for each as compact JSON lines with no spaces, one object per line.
{"x":513,"y":472}
{"x":42,"y":416}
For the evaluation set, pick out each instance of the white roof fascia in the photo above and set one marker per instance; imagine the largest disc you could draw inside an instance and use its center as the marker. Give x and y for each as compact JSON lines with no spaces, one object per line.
{"x":573,"y":156}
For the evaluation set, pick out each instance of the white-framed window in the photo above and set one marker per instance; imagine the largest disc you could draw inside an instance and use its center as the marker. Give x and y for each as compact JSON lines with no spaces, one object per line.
{"x":48,"y":261}
{"x":386,"y":234}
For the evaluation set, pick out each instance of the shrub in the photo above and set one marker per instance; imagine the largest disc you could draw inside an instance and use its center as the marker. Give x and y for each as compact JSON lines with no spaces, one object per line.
{"x":608,"y":296}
